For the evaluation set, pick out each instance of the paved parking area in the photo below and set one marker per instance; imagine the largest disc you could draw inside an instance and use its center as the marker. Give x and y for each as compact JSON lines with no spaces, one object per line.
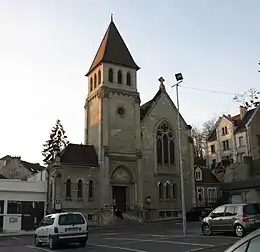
{"x":150,"y":238}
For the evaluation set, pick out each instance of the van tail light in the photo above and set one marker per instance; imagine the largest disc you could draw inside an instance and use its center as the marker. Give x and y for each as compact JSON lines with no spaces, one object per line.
{"x":87,"y":228}
{"x":244,"y":219}
{"x":56,"y":230}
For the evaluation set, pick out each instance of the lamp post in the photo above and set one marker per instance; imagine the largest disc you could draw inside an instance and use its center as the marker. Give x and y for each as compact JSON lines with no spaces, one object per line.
{"x":179,"y":79}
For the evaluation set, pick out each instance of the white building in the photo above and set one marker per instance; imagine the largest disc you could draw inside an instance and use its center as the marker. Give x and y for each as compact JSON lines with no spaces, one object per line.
{"x":22,"y":204}
{"x":230,"y":138}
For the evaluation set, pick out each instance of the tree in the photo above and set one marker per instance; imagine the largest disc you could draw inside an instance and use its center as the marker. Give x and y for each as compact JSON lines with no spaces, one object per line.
{"x":57,"y":142}
{"x":198,"y":146}
{"x":200,"y":140}
{"x":249,"y":99}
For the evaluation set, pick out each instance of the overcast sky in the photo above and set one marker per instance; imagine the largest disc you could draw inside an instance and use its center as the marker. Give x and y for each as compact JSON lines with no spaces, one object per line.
{"x":46,"y":48}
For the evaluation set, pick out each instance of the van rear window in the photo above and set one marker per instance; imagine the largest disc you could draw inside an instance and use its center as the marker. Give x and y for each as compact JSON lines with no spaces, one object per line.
{"x":252,"y":209}
{"x":71,"y":219}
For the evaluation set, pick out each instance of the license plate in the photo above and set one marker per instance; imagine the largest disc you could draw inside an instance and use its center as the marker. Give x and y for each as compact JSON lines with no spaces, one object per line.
{"x":72,"y":229}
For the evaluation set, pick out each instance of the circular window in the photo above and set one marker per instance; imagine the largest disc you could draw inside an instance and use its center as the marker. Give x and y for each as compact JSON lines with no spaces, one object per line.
{"x":120,"y":111}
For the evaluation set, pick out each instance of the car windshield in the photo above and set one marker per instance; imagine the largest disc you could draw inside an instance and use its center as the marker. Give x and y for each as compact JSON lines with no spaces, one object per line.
{"x":71,"y":219}
{"x":252,"y":209}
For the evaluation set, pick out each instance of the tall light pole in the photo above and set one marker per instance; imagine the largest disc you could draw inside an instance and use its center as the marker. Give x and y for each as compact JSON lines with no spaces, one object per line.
{"x":179,"y":79}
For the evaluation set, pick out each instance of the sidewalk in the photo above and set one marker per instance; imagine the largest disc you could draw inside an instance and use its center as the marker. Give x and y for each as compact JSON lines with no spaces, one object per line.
{"x":90,"y":228}
{"x":16,"y":233}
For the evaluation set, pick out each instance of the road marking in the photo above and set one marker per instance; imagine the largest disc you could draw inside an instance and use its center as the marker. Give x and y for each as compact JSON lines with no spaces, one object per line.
{"x":194,"y":250}
{"x":153,"y":235}
{"x":109,"y":234}
{"x":15,"y":238}
{"x":42,"y":249}
{"x":163,"y":241}
{"x":116,"y":247}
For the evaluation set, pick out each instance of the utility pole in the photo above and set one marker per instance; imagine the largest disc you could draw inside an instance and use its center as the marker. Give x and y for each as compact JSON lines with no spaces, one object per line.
{"x":179,"y":79}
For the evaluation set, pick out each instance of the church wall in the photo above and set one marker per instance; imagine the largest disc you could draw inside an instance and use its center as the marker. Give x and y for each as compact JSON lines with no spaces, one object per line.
{"x":94,"y":122}
{"x":152,"y":173}
{"x":74,"y":173}
{"x":124,"y":70}
{"x":122,"y":131}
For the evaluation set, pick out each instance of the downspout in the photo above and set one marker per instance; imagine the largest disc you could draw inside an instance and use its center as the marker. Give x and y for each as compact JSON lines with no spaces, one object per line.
{"x":47,"y":196}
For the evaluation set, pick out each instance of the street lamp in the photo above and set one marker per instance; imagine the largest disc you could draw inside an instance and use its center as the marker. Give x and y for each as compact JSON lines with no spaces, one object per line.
{"x":179,"y":79}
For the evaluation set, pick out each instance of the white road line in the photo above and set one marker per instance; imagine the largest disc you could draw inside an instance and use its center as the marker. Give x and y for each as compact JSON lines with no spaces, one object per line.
{"x":42,"y":249}
{"x":163,"y":241}
{"x":15,"y":238}
{"x":108,"y":234}
{"x":194,"y":250}
{"x":153,"y":235}
{"x":117,"y":247}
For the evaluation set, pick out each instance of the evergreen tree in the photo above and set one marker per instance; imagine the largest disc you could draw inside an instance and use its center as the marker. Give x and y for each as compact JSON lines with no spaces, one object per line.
{"x":57,"y":142}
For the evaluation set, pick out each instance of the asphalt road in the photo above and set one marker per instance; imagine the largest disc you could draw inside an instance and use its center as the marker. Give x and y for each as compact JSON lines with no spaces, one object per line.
{"x":159,"y":237}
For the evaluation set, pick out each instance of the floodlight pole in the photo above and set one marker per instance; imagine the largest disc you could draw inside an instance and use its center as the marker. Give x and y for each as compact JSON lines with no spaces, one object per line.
{"x":183,"y":205}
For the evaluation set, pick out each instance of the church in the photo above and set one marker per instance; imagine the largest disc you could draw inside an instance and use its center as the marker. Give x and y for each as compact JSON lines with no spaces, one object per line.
{"x":129,"y":159}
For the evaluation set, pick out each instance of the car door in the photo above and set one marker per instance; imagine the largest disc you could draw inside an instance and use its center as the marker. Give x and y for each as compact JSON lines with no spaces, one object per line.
{"x":229,"y":218}
{"x":47,"y":228}
{"x":216,"y":219}
{"x":40,"y":230}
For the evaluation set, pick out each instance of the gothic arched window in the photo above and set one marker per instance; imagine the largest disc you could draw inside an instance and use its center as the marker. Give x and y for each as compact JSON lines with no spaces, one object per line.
{"x":80,"y":189}
{"x":128,"y":79}
{"x":174,"y":191}
{"x":68,"y":188}
{"x":160,"y":190}
{"x":91,"y":189}
{"x":165,"y":144}
{"x":167,"y":190}
{"x":95,"y":81}
{"x":119,"y":77}
{"x":110,"y":75}
{"x":91,"y":84}
{"x":99,"y":77}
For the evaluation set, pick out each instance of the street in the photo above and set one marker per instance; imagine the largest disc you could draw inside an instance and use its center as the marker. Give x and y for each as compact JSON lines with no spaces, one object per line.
{"x":148,"y":238}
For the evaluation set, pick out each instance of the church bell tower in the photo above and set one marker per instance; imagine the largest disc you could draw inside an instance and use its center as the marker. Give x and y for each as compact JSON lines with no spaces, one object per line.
{"x":112,"y":112}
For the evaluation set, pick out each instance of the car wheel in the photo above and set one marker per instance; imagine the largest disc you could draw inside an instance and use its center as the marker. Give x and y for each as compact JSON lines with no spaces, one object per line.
{"x":83,"y":243}
{"x":52,"y":244}
{"x":239,"y":230}
{"x":206,"y":230}
{"x":36,"y":241}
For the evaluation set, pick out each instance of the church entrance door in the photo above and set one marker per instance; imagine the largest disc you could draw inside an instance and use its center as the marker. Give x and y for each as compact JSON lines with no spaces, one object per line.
{"x":119,"y":195}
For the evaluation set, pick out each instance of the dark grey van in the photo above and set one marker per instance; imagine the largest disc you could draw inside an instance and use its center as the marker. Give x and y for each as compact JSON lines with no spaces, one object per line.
{"x":238,"y":218}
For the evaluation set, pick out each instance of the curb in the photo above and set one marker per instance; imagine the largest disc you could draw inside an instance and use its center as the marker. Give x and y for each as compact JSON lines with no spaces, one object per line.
{"x":3,"y":235}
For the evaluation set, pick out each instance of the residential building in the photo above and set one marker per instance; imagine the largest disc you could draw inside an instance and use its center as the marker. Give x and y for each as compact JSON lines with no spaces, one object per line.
{"x":207,"y":186}
{"x":234,"y":137}
{"x":130,"y":158}
{"x":22,"y":204}
{"x":16,"y":168}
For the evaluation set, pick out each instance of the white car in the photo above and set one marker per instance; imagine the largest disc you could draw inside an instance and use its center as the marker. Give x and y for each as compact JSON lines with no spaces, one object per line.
{"x":60,"y":228}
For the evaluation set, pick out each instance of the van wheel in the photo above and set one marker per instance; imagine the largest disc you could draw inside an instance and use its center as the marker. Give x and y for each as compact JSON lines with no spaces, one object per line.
{"x":52,"y":244}
{"x":239,"y":230}
{"x":36,"y":241}
{"x":83,"y":243}
{"x":206,"y":230}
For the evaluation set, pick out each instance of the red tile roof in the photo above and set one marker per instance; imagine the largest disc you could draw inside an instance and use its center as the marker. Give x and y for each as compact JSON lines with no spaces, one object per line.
{"x":113,"y":50}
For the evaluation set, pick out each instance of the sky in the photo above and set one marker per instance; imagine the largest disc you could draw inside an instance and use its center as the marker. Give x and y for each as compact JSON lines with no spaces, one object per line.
{"x":47,"y":47}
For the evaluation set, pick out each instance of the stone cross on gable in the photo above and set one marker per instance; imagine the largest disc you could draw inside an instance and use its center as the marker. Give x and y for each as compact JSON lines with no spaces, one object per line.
{"x":161,"y":79}
{"x":162,"y":87}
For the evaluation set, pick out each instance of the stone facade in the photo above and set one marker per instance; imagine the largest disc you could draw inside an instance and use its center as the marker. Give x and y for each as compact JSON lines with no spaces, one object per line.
{"x":136,"y":146}
{"x":254,"y":134}
{"x":234,"y":138}
{"x":16,"y":168}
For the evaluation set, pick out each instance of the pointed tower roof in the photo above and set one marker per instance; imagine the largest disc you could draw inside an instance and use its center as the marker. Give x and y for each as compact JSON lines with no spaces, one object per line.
{"x":113,"y":50}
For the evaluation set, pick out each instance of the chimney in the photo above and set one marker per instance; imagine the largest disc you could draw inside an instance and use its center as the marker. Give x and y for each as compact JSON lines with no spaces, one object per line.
{"x":243,"y":111}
